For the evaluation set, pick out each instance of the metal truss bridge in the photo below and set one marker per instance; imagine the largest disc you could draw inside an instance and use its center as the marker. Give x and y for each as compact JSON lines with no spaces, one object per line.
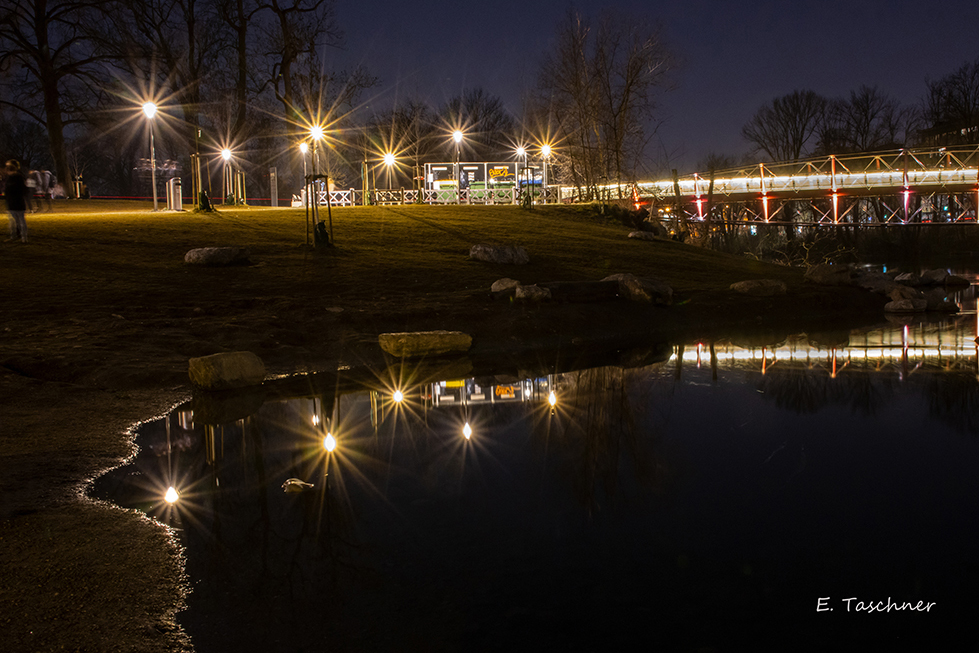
{"x":898,"y":187}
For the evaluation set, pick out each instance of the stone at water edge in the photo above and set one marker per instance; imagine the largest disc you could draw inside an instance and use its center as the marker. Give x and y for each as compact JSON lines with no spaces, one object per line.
{"x":504,"y":285}
{"x":532,"y":293}
{"x":906,"y":306}
{"x":830,"y":275}
{"x":422,"y":343}
{"x":645,"y":290}
{"x":237,"y":369}
{"x":760,"y":287}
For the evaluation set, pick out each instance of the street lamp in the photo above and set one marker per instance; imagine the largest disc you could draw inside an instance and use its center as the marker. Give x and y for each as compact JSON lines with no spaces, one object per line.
{"x":226,"y":155}
{"x":317,"y":133}
{"x":522,"y":153}
{"x":389,"y":162}
{"x":545,"y":151}
{"x":457,"y":137}
{"x":303,"y":149}
{"x":149,"y":109}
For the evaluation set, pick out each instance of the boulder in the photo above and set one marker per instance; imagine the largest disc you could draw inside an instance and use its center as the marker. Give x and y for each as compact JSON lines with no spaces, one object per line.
{"x":906,"y":306}
{"x":504,"y":285}
{"x":830,"y":275}
{"x":938,"y":301}
{"x":760,"y":287}
{"x":908,"y":279}
{"x":217,"y":256}
{"x":532,"y":293}
{"x":954,"y":280}
{"x":933,"y":277}
{"x":645,"y":290}
{"x":508,"y":254}
{"x":877,"y":282}
{"x":900,"y":291}
{"x":643,"y":235}
{"x":424,"y":343}
{"x":236,"y":369}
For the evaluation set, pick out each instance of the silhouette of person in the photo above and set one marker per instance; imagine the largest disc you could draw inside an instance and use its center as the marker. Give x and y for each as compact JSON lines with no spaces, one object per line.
{"x":17,"y":195}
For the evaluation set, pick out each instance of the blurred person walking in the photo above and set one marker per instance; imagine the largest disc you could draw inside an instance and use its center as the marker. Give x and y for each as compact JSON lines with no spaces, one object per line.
{"x":17,"y":195}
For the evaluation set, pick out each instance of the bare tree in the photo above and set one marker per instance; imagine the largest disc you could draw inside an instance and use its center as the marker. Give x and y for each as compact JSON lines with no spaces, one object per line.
{"x":868,"y":121}
{"x":599,"y":86}
{"x":297,"y":29}
{"x":54,"y":68}
{"x":485,"y":121}
{"x":786,"y":128}
{"x":949,"y":111}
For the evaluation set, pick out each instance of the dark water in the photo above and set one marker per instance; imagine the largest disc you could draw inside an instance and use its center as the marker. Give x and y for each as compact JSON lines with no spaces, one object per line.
{"x":695,"y":503}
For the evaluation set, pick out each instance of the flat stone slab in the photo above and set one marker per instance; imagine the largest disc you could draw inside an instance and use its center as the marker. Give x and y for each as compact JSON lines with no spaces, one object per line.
{"x":424,"y":343}
{"x":236,"y":369}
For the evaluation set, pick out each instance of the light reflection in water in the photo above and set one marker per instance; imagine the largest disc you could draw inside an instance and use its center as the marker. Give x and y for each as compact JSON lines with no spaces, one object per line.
{"x":664,"y":490}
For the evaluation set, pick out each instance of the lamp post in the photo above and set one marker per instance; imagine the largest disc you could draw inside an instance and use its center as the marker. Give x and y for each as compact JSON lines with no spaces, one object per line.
{"x":389,"y":163}
{"x":457,"y":137}
{"x":303,"y":149}
{"x":545,"y":151}
{"x":317,"y":133}
{"x":149,"y":110}
{"x":522,"y":153}
{"x":226,"y":156}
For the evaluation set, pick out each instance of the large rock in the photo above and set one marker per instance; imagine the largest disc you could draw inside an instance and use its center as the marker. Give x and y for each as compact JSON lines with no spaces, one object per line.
{"x":532,"y":293}
{"x":906,"y":306}
{"x":900,"y":291}
{"x":908,"y":279}
{"x":217,"y":256}
{"x":643,"y":235}
{"x":876,"y":282}
{"x":954,"y":280}
{"x":760,"y":287}
{"x":237,"y":369}
{"x":934,"y":277}
{"x":645,"y":290}
{"x":830,"y":275}
{"x":424,"y":343}
{"x":504,"y":285}
{"x":508,"y":254}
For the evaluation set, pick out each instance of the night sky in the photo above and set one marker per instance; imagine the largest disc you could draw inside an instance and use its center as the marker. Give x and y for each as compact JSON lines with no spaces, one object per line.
{"x":734,"y":57}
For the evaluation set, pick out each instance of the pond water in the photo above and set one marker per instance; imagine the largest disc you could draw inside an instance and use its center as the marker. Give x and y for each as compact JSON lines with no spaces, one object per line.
{"x":703,"y":496}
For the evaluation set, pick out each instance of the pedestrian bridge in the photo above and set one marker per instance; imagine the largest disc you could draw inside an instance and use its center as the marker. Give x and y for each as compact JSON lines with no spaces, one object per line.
{"x":901,"y":186}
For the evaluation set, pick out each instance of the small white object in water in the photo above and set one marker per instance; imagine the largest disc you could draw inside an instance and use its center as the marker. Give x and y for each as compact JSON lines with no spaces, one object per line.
{"x":296,"y":485}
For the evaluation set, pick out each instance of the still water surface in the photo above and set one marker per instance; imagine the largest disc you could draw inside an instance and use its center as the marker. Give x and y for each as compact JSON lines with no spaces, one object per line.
{"x":729,"y":495}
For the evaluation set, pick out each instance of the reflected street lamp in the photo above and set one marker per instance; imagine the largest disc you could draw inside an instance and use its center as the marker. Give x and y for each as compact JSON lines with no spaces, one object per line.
{"x":149,"y":109}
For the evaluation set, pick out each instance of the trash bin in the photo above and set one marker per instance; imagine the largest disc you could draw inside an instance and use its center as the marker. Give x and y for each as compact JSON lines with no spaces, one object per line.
{"x":175,"y":200}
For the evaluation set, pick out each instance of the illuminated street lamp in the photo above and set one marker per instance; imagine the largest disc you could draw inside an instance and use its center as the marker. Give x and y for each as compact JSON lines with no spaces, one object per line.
{"x":457,"y":137}
{"x":303,"y":149}
{"x":149,"y":110}
{"x":226,"y":156}
{"x":545,"y":151}
{"x":522,"y":153}
{"x":389,"y":162}
{"x":317,"y":133}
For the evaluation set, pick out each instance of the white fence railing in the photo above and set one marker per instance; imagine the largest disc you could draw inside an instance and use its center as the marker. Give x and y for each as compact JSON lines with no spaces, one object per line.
{"x":389,"y":197}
